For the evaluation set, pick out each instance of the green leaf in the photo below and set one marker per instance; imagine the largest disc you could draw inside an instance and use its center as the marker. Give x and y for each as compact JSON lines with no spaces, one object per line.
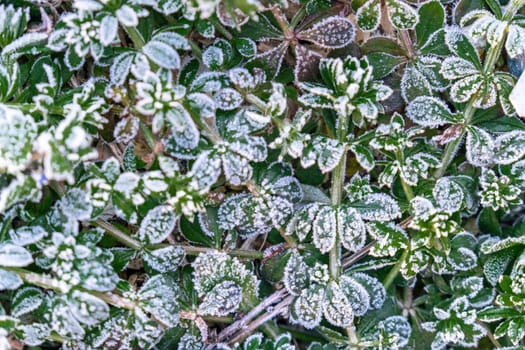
{"x":369,"y":15}
{"x":157,"y":225}
{"x":495,"y":8}
{"x":436,"y":44}
{"x":164,"y":260}
{"x":364,"y":156}
{"x":382,"y":44}
{"x":502,"y":124}
{"x":460,"y":44}
{"x":384,"y":63}
{"x":414,"y":84}
{"x":26,"y":300}
{"x":121,"y":258}
{"x":246,"y":47}
{"x":497,"y":263}
{"x":431,"y":19}
{"x":429,"y":111}
{"x":159,"y":296}
{"x":401,"y":14}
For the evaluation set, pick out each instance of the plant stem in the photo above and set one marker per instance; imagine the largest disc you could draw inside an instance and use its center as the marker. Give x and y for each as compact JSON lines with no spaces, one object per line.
{"x":352,"y":336}
{"x":254,"y":311}
{"x":338,"y":178}
{"x":349,"y":261}
{"x":148,"y":135}
{"x":195,"y":48}
{"x":491,"y":336}
{"x":119,"y":235}
{"x":135,"y":36}
{"x":395,"y":270}
{"x":113,"y":299}
{"x":277,"y":310}
{"x":132,"y":243}
{"x":220,"y":28}
{"x":283,"y":24}
{"x":298,"y":17}
{"x":491,"y":59}
{"x":407,"y":43}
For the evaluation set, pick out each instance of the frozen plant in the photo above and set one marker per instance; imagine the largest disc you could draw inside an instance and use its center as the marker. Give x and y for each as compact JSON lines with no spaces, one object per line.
{"x":261,"y":175}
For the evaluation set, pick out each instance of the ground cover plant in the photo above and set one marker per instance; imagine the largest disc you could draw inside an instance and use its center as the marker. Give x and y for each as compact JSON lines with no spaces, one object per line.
{"x":246,"y":174}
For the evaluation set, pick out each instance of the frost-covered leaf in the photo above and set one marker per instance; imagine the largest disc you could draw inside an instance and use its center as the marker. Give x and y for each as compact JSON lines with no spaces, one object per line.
{"x":26,"y":235}
{"x":246,"y":47}
{"x":448,"y":195}
{"x":22,"y":188}
{"x":9,"y":280}
{"x":509,"y":147}
{"x":301,"y":223}
{"x":356,"y":294}
{"x":364,"y":156}
{"x":213,"y":57}
{"x":34,"y":334}
{"x":159,"y":296}
{"x":462,"y":259}
{"x":223,"y":299}
{"x":401,"y":14}
{"x":108,"y":30}
{"x":399,"y":326}
{"x":337,"y":308}
{"x":460,"y":44}
{"x":307,"y":309}
{"x":332,"y":32}
{"x":389,"y":238}
{"x":296,"y":274}
{"x":228,"y":99}
{"x":88,"y":309}
{"x":215,"y":267}
{"x":270,"y":60}
{"x":14,"y":255}
{"x":429,"y":111}
{"x":17,"y":133}
{"x":157,"y":225}
{"x":480,"y":147}
{"x":374,"y":287}
{"x":162,"y":54}
{"x":164,"y":259}
{"x":126,"y":129}
{"x":378,"y":207}
{"x":414,"y":84}
{"x":515,"y":43}
{"x":306,"y":66}
{"x":465,"y":88}
{"x":369,"y":15}
{"x":454,"y":67}
{"x":351,"y":229}
{"x":75,"y":205}
{"x":325,"y":229}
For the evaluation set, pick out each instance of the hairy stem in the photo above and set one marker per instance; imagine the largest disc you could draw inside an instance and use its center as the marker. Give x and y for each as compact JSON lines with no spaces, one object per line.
{"x":338,"y":178}
{"x":407,"y":43}
{"x":132,"y":243}
{"x":263,"y":305}
{"x":135,"y":36}
{"x":261,"y":320}
{"x":395,"y":270}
